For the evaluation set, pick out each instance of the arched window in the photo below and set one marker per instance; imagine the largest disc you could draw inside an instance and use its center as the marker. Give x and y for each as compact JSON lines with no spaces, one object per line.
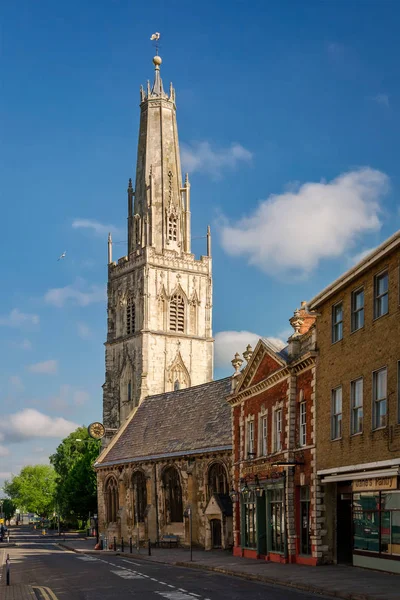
{"x":177,"y":313}
{"x":217,"y":480}
{"x":173,"y":496}
{"x":111,"y":500}
{"x":172,"y":228}
{"x":137,"y":230}
{"x":130,"y":316}
{"x":140,"y":495}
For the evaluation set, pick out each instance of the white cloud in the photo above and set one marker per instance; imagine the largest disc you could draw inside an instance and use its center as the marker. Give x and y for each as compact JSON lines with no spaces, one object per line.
{"x":199,"y":156}
{"x":227,"y":343}
{"x":356,"y":258}
{"x":16,"y":383}
{"x":294,"y":231}
{"x":30,"y":423}
{"x":79,"y":293}
{"x":67,"y":397}
{"x":25,"y":344}
{"x":4,"y":451}
{"x":382,"y":99}
{"x":84,"y":331}
{"x":47,"y":367}
{"x":16,"y":318}
{"x":97,"y":228}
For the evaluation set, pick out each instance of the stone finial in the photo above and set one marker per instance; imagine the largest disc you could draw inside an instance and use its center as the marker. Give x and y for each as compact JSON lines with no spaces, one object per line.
{"x":237,"y":363}
{"x":187,"y":180}
{"x":130,"y":185}
{"x":248,"y":353}
{"x":296,"y":322}
{"x":142,"y":94}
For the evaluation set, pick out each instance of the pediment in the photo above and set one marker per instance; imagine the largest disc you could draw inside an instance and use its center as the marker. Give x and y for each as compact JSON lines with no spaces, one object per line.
{"x":264,"y":361}
{"x":213,"y":507}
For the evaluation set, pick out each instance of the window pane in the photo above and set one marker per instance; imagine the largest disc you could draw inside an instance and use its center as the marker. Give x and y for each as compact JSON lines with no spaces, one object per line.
{"x":359,"y":299}
{"x":381,"y":384}
{"x":382,"y":284}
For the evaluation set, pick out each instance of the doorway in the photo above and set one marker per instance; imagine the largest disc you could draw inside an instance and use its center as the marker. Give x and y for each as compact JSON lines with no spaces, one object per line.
{"x":344,"y":539}
{"x":216,"y":533}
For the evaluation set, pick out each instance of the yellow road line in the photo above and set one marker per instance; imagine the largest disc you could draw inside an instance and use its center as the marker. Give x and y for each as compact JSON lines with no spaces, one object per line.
{"x":46,"y":592}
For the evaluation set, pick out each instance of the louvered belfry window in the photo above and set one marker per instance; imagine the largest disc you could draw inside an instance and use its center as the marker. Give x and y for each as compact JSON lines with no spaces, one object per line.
{"x":177,"y":313}
{"x":130,"y":317}
{"x":172,"y":228}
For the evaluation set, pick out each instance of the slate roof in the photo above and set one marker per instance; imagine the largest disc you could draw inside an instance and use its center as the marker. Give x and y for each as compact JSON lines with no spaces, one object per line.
{"x":187,"y":420}
{"x":282,"y":352}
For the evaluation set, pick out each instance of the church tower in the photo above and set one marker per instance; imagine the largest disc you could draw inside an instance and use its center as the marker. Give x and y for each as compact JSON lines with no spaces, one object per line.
{"x":159,"y":334}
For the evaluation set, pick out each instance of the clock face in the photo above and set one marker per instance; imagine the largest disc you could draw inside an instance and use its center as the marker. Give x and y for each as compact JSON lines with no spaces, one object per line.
{"x":96,"y":430}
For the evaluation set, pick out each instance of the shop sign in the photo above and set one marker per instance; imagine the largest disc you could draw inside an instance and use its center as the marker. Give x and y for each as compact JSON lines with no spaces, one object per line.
{"x":264,"y":470}
{"x":375,"y":483}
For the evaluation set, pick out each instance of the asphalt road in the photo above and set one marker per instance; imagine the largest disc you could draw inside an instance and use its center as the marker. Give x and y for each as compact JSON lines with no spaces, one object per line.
{"x":70,"y":576}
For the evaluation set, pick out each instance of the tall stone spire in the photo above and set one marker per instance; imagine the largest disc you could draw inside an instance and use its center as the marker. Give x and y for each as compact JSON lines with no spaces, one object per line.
{"x":161,"y":212}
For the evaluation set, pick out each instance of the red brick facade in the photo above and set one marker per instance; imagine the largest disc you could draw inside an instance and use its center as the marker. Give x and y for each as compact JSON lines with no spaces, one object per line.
{"x":275,"y":515}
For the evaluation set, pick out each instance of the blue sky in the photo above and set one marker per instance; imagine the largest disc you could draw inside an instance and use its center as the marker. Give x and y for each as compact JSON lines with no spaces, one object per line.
{"x":288,"y":116}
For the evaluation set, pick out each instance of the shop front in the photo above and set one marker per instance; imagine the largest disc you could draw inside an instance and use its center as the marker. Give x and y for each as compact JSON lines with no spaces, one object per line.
{"x":263,"y":518}
{"x":368,"y":519}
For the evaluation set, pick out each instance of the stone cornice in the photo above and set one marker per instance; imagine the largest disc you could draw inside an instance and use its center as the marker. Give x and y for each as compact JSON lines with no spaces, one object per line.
{"x":163,"y":333}
{"x":303,"y":363}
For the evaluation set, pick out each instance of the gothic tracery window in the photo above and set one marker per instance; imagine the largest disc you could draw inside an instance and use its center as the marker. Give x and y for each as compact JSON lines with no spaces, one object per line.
{"x":173,"y":495}
{"x":217,"y":479}
{"x":177,"y":313}
{"x":111,"y":500}
{"x":130,"y":316}
{"x":137,"y":230}
{"x":140,"y":495}
{"x":172,"y":228}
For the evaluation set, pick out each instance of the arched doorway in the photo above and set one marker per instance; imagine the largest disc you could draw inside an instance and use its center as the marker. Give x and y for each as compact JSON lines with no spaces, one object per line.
{"x":216,"y":533}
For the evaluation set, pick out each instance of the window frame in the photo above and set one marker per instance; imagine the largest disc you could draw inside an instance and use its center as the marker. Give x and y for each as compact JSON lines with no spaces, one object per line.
{"x":375,"y":400}
{"x":354,"y":408}
{"x":335,"y":415}
{"x":377,"y":298}
{"x":356,"y":311}
{"x":249,"y":447}
{"x":177,"y":313}
{"x":130,"y":316}
{"x":303,"y":425}
{"x":278,"y":432}
{"x":264,"y":430}
{"x":336,"y":324}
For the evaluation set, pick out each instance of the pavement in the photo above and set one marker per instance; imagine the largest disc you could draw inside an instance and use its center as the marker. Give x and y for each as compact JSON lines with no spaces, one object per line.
{"x":40,"y":565}
{"x":350,"y":583}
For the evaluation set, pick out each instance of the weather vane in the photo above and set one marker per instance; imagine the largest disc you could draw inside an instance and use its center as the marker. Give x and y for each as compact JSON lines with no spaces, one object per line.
{"x":155,"y":38}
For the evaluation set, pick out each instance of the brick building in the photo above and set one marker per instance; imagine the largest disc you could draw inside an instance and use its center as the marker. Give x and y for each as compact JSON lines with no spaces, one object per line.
{"x":358,"y":411}
{"x":274,"y":469}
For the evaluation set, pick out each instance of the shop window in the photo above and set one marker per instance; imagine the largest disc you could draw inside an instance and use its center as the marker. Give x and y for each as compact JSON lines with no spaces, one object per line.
{"x":357,"y":309}
{"x":376,"y":522}
{"x":337,"y":322}
{"x":140,"y":495}
{"x":217,"y":480}
{"x":379,"y":392}
{"x":305,"y":520}
{"x":356,"y":398}
{"x":172,"y":495}
{"x":278,"y":430}
{"x":250,"y":520}
{"x":303,"y":424}
{"x":336,"y":418}
{"x":381,"y":294}
{"x":111,"y":500}
{"x":277,"y":520}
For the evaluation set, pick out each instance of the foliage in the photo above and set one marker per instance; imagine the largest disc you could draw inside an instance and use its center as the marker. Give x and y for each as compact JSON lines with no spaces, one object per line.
{"x":9,"y":507}
{"x":33,"y":490}
{"x":76,"y":479}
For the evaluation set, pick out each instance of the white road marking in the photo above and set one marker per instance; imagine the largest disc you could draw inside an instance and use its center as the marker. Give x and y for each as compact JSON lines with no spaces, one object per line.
{"x":131,"y":562}
{"x":125,"y":574}
{"x":177,"y":595}
{"x":87,"y":558}
{"x":196,"y":595}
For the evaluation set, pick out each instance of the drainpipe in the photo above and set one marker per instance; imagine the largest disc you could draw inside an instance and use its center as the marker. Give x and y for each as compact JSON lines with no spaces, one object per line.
{"x":156,"y":501}
{"x":286,"y":513}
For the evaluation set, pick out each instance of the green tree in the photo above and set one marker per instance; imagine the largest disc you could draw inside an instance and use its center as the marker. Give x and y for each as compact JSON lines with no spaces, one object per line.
{"x":33,"y":489}
{"x":76,"y":479}
{"x":9,"y":507}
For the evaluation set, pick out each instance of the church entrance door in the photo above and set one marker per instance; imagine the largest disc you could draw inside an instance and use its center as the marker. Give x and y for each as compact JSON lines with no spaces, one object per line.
{"x":216,"y":534}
